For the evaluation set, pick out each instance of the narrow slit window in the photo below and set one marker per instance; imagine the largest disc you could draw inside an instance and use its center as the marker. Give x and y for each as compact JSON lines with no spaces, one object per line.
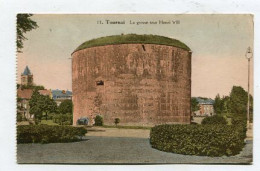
{"x":143,"y":47}
{"x":100,"y":82}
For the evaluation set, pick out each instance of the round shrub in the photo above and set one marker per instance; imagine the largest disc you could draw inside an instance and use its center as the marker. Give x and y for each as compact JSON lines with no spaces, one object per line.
{"x":213,"y":120}
{"x":99,"y":120}
{"x":201,"y":140}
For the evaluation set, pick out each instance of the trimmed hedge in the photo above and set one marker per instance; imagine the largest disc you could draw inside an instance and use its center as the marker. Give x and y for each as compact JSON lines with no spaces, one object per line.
{"x":215,"y":119}
{"x":49,"y":133}
{"x":202,"y":140}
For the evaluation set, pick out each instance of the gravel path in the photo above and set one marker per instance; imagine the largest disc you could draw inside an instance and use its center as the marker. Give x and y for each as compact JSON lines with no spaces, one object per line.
{"x":112,"y":149}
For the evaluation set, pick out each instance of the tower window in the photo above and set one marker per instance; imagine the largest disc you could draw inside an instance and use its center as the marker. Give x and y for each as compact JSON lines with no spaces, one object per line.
{"x":100,"y":82}
{"x":143,"y":47}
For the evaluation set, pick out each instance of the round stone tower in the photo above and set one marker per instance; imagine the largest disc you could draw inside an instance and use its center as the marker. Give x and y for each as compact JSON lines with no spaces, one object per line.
{"x":140,"y":79}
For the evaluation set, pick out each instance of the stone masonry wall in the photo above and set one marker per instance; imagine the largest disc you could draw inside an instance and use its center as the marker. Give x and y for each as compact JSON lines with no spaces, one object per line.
{"x":141,"y":84}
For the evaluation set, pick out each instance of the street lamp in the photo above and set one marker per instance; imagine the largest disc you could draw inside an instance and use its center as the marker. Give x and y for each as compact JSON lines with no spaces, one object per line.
{"x":249,"y":55}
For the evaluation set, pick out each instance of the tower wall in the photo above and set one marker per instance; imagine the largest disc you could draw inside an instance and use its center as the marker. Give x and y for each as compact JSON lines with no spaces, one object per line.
{"x":141,"y":84}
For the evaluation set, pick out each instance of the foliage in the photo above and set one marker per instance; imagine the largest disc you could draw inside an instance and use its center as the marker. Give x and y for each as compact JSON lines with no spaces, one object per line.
{"x":37,"y":114}
{"x":217,"y":105}
{"x":48,"y":133}
{"x":63,"y":119}
{"x":132,"y":38}
{"x":202,"y":140}
{"x":236,"y":103}
{"x":48,"y":122}
{"x":215,"y":119}
{"x":194,"y":104}
{"x":40,"y":104}
{"x":24,"y":24}
{"x":99,"y":120}
{"x":117,"y":120}
{"x":65,"y":107}
{"x":34,"y":87}
{"x":238,"y":100}
{"x":19,"y":117}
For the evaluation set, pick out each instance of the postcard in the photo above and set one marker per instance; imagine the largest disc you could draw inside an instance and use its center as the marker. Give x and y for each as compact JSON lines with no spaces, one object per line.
{"x":135,"y":88}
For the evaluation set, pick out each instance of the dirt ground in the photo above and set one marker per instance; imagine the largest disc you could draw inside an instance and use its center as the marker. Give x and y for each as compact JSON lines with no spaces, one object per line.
{"x":115,"y":132}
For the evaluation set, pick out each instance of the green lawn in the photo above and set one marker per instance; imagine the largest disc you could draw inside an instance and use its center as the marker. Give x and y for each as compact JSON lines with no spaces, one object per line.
{"x":48,"y":122}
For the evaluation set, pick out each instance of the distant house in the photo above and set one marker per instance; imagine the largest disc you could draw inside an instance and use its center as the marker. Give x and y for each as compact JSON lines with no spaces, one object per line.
{"x":60,"y":95}
{"x":206,"y":107}
{"x":23,"y":97}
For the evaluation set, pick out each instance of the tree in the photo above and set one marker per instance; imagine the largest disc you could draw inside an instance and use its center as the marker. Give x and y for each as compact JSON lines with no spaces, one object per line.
{"x":66,"y":107}
{"x":225,"y":102}
{"x":238,"y":100}
{"x":48,"y":106}
{"x":37,"y":114}
{"x":194,"y":104}
{"x":218,"y":105}
{"x":40,"y":104}
{"x":24,"y":24}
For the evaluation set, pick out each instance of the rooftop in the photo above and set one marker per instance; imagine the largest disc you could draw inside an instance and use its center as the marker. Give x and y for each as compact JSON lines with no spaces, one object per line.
{"x":132,"y":39}
{"x":26,"y":71}
{"x":61,"y":93}
{"x":205,"y":101}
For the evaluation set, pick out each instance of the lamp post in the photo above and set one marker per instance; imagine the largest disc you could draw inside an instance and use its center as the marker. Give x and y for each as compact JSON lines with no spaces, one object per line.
{"x":249,"y":55}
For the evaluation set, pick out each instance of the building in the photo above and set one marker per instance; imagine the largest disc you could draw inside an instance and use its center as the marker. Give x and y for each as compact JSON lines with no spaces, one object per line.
{"x":24,"y":94}
{"x":140,"y":79}
{"x":23,"y":97}
{"x":60,"y":95}
{"x":26,"y":77}
{"x":206,"y":107}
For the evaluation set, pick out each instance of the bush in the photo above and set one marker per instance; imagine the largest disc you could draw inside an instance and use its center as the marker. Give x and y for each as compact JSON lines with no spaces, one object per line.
{"x":48,"y":133}
{"x":99,"y":120}
{"x":63,"y":119}
{"x":19,"y":117}
{"x":202,"y":140}
{"x":215,"y":119}
{"x":117,"y":120}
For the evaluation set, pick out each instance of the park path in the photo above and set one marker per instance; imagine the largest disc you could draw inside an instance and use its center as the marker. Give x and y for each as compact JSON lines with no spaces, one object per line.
{"x":117,"y":146}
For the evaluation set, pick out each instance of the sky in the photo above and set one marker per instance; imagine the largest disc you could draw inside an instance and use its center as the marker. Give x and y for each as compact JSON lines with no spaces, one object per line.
{"x":218,"y":44}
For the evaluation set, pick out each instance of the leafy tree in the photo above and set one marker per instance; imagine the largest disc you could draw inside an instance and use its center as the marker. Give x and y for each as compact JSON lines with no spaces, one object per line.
{"x":49,"y":106}
{"x":24,"y":24}
{"x":37,"y":114}
{"x":43,"y":104}
{"x":238,"y":100}
{"x":218,"y":104}
{"x":194,"y":104}
{"x":225,"y":102}
{"x":65,"y":107}
{"x":117,"y":120}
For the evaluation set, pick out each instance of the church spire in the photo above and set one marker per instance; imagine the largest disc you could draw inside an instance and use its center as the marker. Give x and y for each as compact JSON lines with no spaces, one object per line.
{"x":26,"y":71}
{"x":27,"y":77}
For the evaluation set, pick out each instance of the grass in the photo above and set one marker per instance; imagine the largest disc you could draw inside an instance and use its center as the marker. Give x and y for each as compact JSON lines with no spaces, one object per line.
{"x":126,"y":127}
{"x":48,"y":122}
{"x":132,"y":38}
